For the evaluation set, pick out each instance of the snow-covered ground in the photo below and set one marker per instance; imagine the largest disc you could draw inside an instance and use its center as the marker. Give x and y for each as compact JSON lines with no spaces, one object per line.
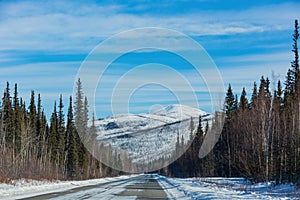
{"x":28,"y":188}
{"x":225,"y":188}
{"x":175,"y":188}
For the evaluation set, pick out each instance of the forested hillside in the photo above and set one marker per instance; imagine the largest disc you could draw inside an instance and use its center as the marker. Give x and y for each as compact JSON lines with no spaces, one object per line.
{"x":261,"y":135}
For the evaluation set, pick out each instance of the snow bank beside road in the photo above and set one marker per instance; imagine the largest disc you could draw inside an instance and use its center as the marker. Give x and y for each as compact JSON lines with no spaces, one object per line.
{"x":224,"y":188}
{"x":28,"y":188}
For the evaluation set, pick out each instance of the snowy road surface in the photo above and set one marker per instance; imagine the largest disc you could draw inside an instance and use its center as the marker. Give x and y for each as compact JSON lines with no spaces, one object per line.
{"x":147,"y":186}
{"x":137,"y":187}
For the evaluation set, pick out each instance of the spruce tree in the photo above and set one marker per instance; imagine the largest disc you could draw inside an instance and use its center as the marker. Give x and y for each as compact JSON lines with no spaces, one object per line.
{"x":79,"y":108}
{"x":267,"y":88}
{"x":17,"y":120}
{"x":230,"y":103}
{"x":85,"y":114}
{"x":16,"y":98}
{"x":254,"y":96}
{"x":44,"y":130}
{"x":38,"y":126}
{"x":262,"y":86}
{"x":279,"y":90}
{"x":32,"y":115}
{"x":7,"y":118}
{"x":81,"y":120}
{"x":191,"y":130}
{"x":243,"y":100}
{"x":70,"y":145}
{"x":289,"y":83}
{"x":61,"y":131}
{"x":199,"y":137}
{"x":295,"y":62}
{"x":94,"y":164}
{"x":53,"y":139}
{"x":177,"y":145}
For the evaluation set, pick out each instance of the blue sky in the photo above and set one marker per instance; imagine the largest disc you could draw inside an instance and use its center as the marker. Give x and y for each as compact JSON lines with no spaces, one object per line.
{"x":42,"y":44}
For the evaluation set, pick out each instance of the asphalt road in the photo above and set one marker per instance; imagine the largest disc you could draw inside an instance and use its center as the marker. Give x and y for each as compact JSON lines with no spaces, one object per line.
{"x":140,"y":187}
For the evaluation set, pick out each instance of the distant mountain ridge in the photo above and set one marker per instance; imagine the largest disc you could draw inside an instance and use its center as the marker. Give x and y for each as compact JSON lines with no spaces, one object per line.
{"x":150,"y":136}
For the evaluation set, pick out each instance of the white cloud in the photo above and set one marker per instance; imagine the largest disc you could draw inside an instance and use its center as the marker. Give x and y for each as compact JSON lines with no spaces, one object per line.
{"x":65,"y":26}
{"x":261,"y":58}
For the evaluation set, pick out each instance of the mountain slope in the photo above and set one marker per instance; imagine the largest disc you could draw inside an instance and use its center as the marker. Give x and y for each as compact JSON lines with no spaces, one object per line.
{"x":149,"y":137}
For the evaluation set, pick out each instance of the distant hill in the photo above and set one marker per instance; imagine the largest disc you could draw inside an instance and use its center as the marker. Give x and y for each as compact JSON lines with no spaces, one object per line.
{"x":151,"y":136}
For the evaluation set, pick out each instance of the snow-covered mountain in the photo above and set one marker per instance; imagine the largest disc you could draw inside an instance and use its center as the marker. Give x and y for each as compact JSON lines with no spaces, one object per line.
{"x":151,"y":136}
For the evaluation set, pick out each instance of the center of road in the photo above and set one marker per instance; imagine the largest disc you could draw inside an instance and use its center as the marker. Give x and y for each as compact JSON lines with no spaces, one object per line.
{"x":146,"y":187}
